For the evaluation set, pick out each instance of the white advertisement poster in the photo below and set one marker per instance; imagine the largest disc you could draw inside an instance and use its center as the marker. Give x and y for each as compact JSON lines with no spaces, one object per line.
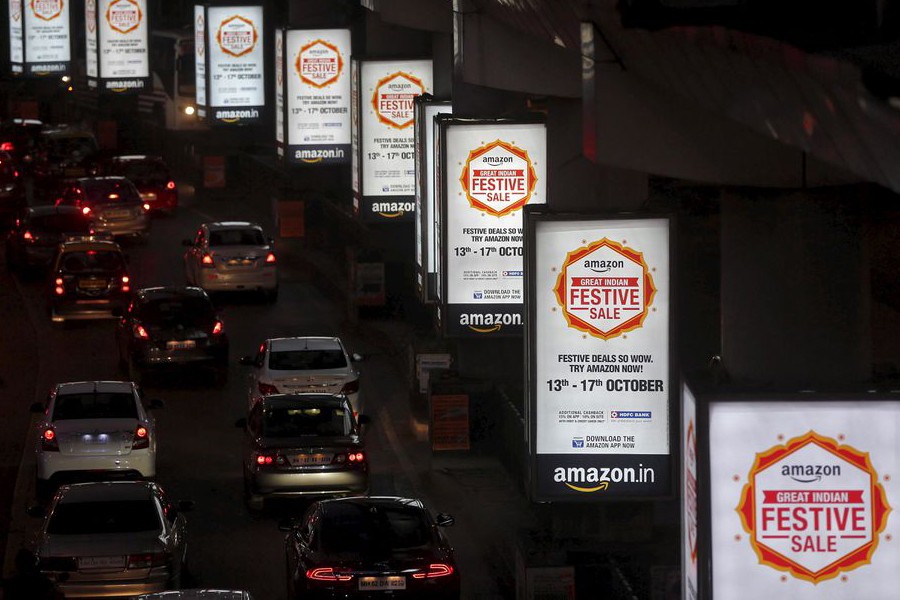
{"x":123,"y":44}
{"x":234,"y":47}
{"x":600,"y":343}
{"x":16,"y":42}
{"x":801,"y":495}
{"x":279,"y":92}
{"x":493,"y":170}
{"x":354,"y":134}
{"x":387,"y":90}
{"x":200,"y":58}
{"x":318,"y":96}
{"x":689,"y":514}
{"x":47,"y":44}
{"x":92,"y":60}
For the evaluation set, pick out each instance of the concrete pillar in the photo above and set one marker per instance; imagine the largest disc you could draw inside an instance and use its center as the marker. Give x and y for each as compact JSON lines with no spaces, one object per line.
{"x":795,"y":300}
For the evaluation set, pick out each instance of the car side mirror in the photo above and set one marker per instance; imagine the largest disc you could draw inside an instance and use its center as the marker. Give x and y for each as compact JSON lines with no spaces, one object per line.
{"x":37,"y":407}
{"x":444,"y":520}
{"x":364,"y":419}
{"x":241,"y":423}
{"x":247,"y":360}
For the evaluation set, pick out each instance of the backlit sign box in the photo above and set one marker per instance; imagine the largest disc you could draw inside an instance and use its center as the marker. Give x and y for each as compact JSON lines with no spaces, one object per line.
{"x":491,"y":170}
{"x":427,"y":231}
{"x":116,"y":44}
{"x":801,"y":496}
{"x":279,"y":92}
{"x":317,"y":96}
{"x":689,"y":488}
{"x":234,"y":89}
{"x":598,"y":339}
{"x":385,"y":107}
{"x":39,"y":37}
{"x":200,"y":59}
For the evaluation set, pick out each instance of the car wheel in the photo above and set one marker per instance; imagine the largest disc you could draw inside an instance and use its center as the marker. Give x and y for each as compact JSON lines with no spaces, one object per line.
{"x":134,"y":372}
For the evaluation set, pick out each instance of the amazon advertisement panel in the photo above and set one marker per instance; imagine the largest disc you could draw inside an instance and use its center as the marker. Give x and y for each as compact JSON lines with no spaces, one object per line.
{"x":801,"y":492}
{"x":492,"y":170}
{"x":318,"y":96}
{"x":39,"y":37}
{"x":599,"y":341}
{"x":426,"y":232}
{"x":354,"y":135}
{"x":386,"y":108}
{"x":200,"y":58}
{"x":235,"y":83}
{"x":689,"y":509}
{"x":117,"y":45}
{"x":279,"y":93}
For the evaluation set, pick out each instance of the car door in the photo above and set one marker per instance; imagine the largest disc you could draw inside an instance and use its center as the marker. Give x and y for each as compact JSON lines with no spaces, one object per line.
{"x":176,"y":529}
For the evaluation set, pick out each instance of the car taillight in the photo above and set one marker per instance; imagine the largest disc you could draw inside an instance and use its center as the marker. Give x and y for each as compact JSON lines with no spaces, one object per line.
{"x":218,"y":328}
{"x":49,"y":442}
{"x":356,"y":457}
{"x":270,"y":458}
{"x":141,"y":438}
{"x":146,"y":206}
{"x":147,"y":560}
{"x":435,"y":570}
{"x":7,"y":146}
{"x":351,"y":387}
{"x":270,"y":258}
{"x":207,"y":261}
{"x":350,"y":458}
{"x":266,"y":388}
{"x":86,"y":210}
{"x":170,"y":185}
{"x":59,"y":289}
{"x":328,"y":574}
{"x":126,"y":283}
{"x":140,"y":332}
{"x":27,"y":236}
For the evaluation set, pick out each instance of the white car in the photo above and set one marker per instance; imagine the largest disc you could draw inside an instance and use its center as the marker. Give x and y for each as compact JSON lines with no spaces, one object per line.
{"x":94,"y":430}
{"x":113,"y":539}
{"x":232,"y":256}
{"x":295,"y":365}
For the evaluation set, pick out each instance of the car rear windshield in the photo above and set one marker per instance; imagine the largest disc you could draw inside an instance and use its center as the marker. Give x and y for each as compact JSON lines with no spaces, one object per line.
{"x":118,"y":516}
{"x":71,"y":147}
{"x":86,"y":261}
{"x":73,"y":223}
{"x":98,"y":405}
{"x":286,"y":422}
{"x":195,"y":312}
{"x":237,"y":237}
{"x":297,"y":360}
{"x":111,"y":192}
{"x":353,"y":527}
{"x":142,"y":172}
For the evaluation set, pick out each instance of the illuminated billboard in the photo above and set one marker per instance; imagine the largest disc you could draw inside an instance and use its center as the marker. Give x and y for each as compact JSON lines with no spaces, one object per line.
{"x":39,"y":37}
{"x":117,"y":46}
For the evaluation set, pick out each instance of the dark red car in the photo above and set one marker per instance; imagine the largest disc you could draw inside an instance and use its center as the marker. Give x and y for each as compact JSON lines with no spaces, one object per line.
{"x":151,"y":177}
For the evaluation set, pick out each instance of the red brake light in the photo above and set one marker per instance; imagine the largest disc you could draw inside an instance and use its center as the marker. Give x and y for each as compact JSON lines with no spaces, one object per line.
{"x":7,"y":146}
{"x":270,"y":258}
{"x":218,"y":328}
{"x":48,"y":440}
{"x":140,"y":332}
{"x":351,"y":387}
{"x":170,"y":185}
{"x":126,"y":283}
{"x":435,"y":570}
{"x":206,"y":261}
{"x":327,"y":574}
{"x":59,"y":289}
{"x":141,"y":438}
{"x":271,"y":459}
{"x":27,"y":236}
{"x":266,"y":388}
{"x":356,"y":457}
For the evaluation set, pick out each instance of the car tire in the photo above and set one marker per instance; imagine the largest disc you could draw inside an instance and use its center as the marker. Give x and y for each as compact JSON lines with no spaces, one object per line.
{"x":134,"y":372}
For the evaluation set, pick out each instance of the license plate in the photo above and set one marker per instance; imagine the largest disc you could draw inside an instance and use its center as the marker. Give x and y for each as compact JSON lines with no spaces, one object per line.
{"x":299,"y":460}
{"x":101,"y":562}
{"x":92,"y":440}
{"x":240,"y":262}
{"x":148,"y":196}
{"x":92,"y":284}
{"x":389,"y":582}
{"x":180,"y":344}
{"x":117,"y":214}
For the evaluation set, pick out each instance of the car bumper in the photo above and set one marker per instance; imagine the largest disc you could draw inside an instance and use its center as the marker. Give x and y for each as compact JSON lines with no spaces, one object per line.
{"x":138,"y":464}
{"x":73,"y":310}
{"x":116,"y":589}
{"x":156,"y":357}
{"x":124,"y":228}
{"x":212,"y":281}
{"x":293,"y":484}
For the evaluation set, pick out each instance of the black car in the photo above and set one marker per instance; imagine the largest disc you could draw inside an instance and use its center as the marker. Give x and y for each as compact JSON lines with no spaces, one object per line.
{"x":167,"y":327}
{"x":150,"y":175}
{"x":365,"y":547}
{"x":19,"y":138}
{"x":12,"y":189}
{"x":37,"y":232}
{"x":89,"y":280}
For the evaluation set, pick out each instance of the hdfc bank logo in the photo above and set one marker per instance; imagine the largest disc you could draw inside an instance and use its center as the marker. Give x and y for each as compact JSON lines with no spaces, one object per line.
{"x":46,"y":9}
{"x":393,"y":99}
{"x":15,"y":10}
{"x":124,"y":15}
{"x":813,"y":508}
{"x":199,"y":36}
{"x":237,"y":36}
{"x":498,"y":178}
{"x":605,"y":289}
{"x":319,"y":64}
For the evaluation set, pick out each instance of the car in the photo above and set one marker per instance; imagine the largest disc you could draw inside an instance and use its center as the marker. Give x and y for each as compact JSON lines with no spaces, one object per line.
{"x":198,"y":594}
{"x":232,"y":256}
{"x":363,"y":547}
{"x":113,"y":539}
{"x":301,"y":446}
{"x":19,"y":137}
{"x":175,"y":326}
{"x":303,"y":364}
{"x":151,"y":176}
{"x":62,"y":152}
{"x":37,"y":232}
{"x":112,"y":202}
{"x":93,"y":430}
{"x":12,"y":189}
{"x":88,"y":280}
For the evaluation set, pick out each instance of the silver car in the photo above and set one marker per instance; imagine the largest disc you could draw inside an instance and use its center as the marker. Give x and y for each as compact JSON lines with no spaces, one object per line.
{"x":113,"y":203}
{"x":113,"y":540}
{"x":232,"y":256}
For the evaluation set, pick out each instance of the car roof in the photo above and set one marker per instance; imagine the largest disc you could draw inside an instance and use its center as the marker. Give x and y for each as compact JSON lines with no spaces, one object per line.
{"x":307,"y":399}
{"x":50,"y":209}
{"x":136,"y":157}
{"x":222,"y":225}
{"x":171,"y":291}
{"x":101,"y":179}
{"x":83,"y":245}
{"x":99,"y":491}
{"x":375,"y":501}
{"x":82,"y":387}
{"x":285,"y":344}
{"x":63,"y":131}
